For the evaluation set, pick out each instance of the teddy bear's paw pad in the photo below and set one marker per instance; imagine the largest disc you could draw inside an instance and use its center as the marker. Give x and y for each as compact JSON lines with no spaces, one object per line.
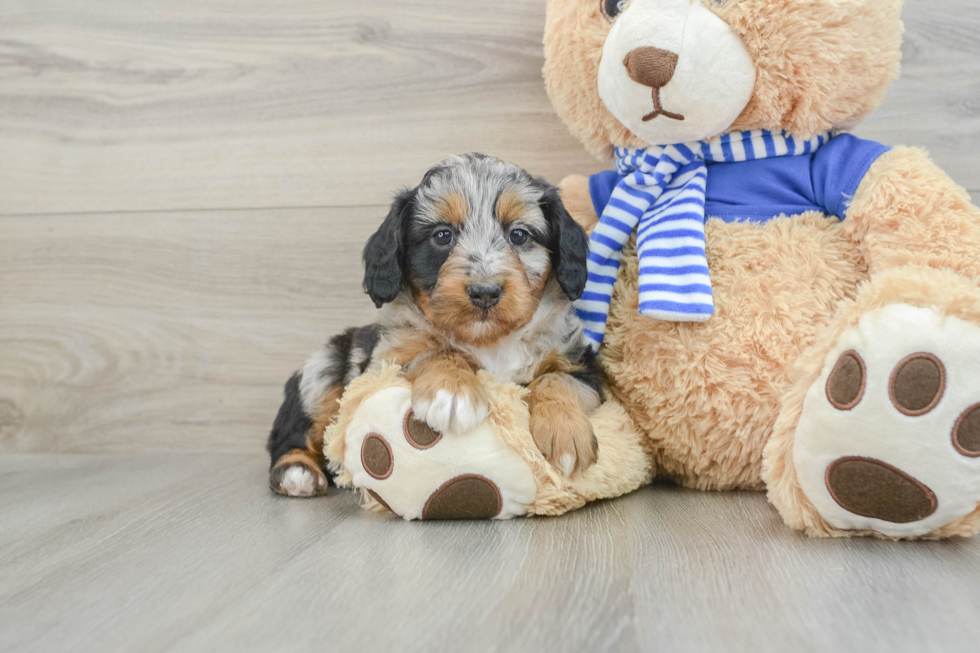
{"x":412,"y":470}
{"x":419,"y":434}
{"x":465,"y":497}
{"x":966,"y":433}
{"x":889,"y":437}
{"x":845,"y":386}
{"x":376,"y":457}
{"x":871,"y":488}
{"x":917,"y":384}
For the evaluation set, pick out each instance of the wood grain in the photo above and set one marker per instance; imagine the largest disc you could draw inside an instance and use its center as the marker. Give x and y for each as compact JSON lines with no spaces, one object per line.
{"x":936,"y":102}
{"x":157,"y":332}
{"x":188,"y":104}
{"x":193,"y":553}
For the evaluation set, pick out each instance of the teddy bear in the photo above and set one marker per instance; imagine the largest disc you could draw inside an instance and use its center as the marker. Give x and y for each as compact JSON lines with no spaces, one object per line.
{"x":778,"y":305}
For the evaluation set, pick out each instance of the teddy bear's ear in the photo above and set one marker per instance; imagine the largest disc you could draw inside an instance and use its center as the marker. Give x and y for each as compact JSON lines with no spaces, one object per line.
{"x":383,"y":252}
{"x":569,"y":245}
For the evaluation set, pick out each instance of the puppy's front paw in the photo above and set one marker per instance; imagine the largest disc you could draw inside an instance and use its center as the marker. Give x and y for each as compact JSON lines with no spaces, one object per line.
{"x":452,"y":411}
{"x":564,"y":436}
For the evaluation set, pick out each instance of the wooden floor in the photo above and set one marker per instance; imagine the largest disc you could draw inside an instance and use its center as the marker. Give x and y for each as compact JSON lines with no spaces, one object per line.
{"x":185,"y":186}
{"x":172,"y":552}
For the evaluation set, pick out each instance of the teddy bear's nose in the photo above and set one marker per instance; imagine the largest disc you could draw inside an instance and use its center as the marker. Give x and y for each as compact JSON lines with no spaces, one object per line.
{"x":651,"y":67}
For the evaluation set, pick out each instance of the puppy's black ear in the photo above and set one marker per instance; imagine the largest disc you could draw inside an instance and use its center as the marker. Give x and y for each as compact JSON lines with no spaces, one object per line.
{"x":569,"y":245}
{"x":383,"y":254}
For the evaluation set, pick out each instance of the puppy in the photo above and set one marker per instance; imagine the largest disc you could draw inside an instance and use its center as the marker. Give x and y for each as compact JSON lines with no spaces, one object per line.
{"x":476,"y":268}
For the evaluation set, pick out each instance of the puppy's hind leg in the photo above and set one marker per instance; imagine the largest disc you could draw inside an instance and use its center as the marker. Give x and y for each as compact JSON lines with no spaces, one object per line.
{"x":311,"y":403}
{"x":296,"y":443}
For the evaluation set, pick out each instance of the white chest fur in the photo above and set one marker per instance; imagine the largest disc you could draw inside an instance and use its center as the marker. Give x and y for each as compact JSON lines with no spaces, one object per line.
{"x":509,"y":361}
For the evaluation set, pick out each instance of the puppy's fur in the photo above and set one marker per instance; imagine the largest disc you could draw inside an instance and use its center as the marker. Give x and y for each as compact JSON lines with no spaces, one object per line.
{"x":475,"y":268}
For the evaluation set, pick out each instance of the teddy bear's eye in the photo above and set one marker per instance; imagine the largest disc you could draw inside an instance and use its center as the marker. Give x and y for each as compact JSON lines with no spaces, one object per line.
{"x":612,"y":8}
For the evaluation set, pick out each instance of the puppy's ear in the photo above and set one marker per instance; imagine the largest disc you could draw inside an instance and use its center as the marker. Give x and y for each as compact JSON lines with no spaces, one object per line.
{"x":569,"y":245}
{"x":383,"y":254}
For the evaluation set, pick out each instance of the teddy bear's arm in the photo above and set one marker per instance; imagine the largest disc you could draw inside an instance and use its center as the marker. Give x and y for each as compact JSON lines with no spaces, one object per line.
{"x":907,"y":211}
{"x":578,"y":201}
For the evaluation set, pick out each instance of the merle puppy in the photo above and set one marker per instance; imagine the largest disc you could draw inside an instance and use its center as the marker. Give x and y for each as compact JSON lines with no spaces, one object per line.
{"x":476,"y":268}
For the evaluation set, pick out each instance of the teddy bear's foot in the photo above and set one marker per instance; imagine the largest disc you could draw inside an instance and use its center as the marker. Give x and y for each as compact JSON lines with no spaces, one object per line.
{"x":414,"y":471}
{"x":888,"y":440}
{"x":495,"y":471}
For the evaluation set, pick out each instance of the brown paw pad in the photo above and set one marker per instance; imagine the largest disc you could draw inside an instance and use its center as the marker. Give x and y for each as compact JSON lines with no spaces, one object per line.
{"x":966,"y":433}
{"x":419,"y":434}
{"x":376,"y":457}
{"x":875,"y":489}
{"x":465,"y":497}
{"x":917,"y":384}
{"x":847,"y":381}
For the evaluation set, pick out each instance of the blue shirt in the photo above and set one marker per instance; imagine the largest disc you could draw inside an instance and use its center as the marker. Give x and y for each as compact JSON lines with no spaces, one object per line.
{"x":763,"y":189}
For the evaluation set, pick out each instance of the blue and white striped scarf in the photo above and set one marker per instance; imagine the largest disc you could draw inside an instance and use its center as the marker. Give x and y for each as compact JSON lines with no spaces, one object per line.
{"x":661,"y":196}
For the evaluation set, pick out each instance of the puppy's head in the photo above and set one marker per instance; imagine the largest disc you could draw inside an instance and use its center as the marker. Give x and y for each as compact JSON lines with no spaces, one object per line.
{"x":475,"y":244}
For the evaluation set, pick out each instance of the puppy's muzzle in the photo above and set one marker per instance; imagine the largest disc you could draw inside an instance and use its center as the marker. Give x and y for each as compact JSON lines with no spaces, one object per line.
{"x":485,"y":295}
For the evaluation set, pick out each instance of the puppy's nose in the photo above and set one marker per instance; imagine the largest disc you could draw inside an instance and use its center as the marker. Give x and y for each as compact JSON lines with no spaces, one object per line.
{"x":485,"y":295}
{"x":651,"y":67}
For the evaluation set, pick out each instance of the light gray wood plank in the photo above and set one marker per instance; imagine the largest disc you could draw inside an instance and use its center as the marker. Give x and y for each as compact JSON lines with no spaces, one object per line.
{"x":127,"y":106}
{"x":122,"y":106}
{"x":192,"y":553}
{"x":157,"y":332}
{"x":936,"y":102}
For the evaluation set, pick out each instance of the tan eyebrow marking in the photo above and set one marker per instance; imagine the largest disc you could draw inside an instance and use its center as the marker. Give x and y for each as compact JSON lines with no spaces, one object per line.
{"x":453,"y":207}
{"x":510,"y":207}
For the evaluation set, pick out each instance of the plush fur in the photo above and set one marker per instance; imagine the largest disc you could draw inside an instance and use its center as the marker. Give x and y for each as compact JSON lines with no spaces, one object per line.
{"x":719,"y":402}
{"x":623,"y":466}
{"x":707,"y":394}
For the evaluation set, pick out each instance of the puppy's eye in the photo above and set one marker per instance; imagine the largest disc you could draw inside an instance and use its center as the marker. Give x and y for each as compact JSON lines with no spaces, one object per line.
{"x":612,"y":8}
{"x":518,"y":237}
{"x":443,"y":238}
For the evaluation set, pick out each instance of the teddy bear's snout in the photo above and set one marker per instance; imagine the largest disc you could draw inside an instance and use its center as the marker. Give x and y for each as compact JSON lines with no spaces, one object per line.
{"x":661,"y":60}
{"x":651,"y":67}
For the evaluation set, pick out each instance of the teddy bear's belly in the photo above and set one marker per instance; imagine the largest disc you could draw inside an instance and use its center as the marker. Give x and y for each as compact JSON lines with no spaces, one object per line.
{"x":708,"y":394}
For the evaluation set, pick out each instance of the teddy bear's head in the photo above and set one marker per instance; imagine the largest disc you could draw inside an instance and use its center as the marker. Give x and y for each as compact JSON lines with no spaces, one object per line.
{"x":656,"y":72}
